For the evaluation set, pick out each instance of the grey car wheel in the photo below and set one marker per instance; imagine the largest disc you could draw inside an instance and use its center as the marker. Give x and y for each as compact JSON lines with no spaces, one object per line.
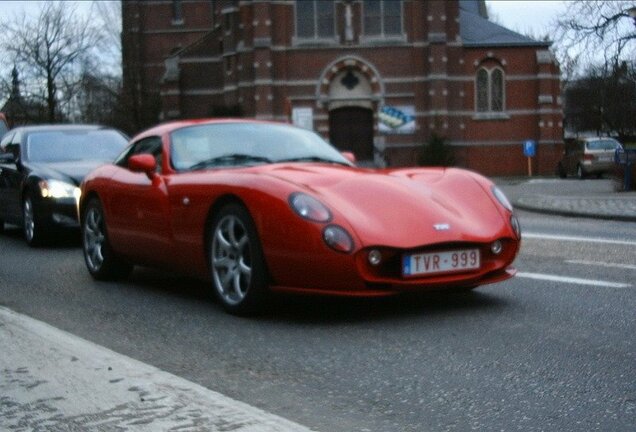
{"x":579,"y":172}
{"x":102,"y":262}
{"x":236,"y":261}
{"x":561,"y":171}
{"x":32,"y":227}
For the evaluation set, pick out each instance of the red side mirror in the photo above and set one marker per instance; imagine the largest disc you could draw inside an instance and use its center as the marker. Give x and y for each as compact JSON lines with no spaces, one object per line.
{"x":144,"y":163}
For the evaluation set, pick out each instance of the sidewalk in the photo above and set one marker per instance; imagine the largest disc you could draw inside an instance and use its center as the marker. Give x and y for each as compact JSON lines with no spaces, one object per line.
{"x":51,"y":380}
{"x":570,"y":197}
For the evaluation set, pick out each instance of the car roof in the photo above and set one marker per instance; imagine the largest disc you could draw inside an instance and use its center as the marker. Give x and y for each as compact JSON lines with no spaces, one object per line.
{"x":57,"y":127}
{"x":163,"y":128}
{"x":588,"y":139}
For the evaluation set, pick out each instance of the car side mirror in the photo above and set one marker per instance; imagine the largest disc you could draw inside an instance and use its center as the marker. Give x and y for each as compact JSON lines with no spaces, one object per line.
{"x":7,"y":158}
{"x":143,"y":163}
{"x":349,"y":156}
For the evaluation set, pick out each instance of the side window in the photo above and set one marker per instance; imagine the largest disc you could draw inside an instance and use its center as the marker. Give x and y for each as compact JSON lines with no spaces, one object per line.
{"x":11,"y":144}
{"x":490,"y":90}
{"x":382,"y":18}
{"x":315,"y":19}
{"x":177,"y":12}
{"x":150,"y":145}
{"x":15,"y":149}
{"x":5,"y":142}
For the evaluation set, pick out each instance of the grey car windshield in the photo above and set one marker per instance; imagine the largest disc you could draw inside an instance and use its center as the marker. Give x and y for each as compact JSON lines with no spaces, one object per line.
{"x":62,"y":146}
{"x":231,"y":144}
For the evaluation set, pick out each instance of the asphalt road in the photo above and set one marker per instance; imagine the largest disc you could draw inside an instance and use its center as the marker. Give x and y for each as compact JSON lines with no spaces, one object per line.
{"x":547,"y":351}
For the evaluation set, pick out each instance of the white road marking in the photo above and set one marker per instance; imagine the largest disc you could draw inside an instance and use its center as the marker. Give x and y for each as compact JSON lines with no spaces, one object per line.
{"x":53,"y":380}
{"x":602,"y":264}
{"x":531,"y":235}
{"x":571,"y":280}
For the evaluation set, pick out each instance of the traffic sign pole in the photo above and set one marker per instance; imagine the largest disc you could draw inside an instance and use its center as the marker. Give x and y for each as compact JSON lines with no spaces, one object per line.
{"x":530,"y":150}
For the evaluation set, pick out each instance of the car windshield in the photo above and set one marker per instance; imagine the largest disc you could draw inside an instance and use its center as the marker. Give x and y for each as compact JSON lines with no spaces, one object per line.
{"x":74,"y":145}
{"x":232,"y":144}
{"x":605,"y":144}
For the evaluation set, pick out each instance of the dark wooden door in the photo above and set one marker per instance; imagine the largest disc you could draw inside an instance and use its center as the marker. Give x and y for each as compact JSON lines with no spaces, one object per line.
{"x":351,"y":129}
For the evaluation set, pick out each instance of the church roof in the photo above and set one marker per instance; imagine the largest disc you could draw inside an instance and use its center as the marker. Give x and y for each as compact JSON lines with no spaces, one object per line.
{"x":477,"y":31}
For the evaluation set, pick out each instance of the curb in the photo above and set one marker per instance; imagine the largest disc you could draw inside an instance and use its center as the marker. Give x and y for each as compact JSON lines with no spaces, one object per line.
{"x":572,"y":213}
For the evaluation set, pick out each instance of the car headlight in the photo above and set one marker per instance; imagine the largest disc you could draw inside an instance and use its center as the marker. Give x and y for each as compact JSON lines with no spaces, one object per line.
{"x":516,"y":226}
{"x":501,"y":197}
{"x":309,"y":208}
{"x":58,"y":189}
{"x":337,"y":238}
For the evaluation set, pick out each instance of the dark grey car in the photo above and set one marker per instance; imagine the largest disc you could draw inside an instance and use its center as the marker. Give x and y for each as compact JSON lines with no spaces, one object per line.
{"x":41,"y":168}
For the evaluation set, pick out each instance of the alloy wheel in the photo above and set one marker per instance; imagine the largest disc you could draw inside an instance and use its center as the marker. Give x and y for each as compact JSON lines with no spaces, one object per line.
{"x":94,"y":239}
{"x":29,"y":221}
{"x":231,"y":259}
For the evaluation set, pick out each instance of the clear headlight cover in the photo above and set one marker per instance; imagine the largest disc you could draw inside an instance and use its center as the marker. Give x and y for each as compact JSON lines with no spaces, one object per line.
{"x":337,"y":238}
{"x":58,"y":189}
{"x":501,"y":197}
{"x":309,"y":208}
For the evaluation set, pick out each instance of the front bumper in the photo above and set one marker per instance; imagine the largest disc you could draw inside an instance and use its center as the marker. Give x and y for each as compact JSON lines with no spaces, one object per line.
{"x":354,"y":276}
{"x":60,"y":212}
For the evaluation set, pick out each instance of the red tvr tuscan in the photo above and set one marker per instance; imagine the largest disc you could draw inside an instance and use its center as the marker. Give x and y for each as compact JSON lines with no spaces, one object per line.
{"x":257,"y":207}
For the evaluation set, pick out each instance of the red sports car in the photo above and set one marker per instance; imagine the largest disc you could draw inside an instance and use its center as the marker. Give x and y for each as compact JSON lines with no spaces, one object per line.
{"x":258,"y":207}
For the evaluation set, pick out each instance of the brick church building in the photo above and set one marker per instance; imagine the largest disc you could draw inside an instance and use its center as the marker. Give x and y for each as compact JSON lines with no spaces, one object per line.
{"x":376,"y":77}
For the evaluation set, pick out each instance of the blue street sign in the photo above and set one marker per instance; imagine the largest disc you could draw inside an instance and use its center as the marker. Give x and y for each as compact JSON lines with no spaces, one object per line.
{"x":530,"y":148}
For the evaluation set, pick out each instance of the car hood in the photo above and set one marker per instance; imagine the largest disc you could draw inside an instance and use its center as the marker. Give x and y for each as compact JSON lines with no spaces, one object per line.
{"x":72,"y":171}
{"x":406,"y":207}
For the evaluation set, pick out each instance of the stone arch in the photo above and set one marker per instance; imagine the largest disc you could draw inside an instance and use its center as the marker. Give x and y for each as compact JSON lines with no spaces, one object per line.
{"x":350,"y":90}
{"x":352,"y":66}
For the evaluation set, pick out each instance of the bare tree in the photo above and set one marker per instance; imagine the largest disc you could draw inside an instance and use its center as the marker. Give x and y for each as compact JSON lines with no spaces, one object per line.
{"x":603,"y":101}
{"x":109,"y":22}
{"x":597,"y":30}
{"x":49,"y":50}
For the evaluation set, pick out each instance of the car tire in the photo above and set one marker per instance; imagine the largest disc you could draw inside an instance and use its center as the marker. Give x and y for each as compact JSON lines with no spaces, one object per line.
{"x":33,"y":227}
{"x":561,"y":171}
{"x":580,"y":173}
{"x":237,"y":263}
{"x":102,"y":262}
{"x":1,"y":226}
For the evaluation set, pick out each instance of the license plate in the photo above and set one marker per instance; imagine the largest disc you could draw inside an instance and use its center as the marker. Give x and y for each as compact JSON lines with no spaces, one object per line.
{"x":607,"y":158}
{"x":440,"y":262}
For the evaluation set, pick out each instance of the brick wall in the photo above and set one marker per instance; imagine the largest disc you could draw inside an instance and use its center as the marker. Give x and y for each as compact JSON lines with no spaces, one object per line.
{"x":256,"y":63}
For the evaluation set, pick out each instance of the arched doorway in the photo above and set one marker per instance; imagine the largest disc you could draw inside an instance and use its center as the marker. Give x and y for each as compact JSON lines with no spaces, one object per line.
{"x":351,"y":113}
{"x":351,"y":129}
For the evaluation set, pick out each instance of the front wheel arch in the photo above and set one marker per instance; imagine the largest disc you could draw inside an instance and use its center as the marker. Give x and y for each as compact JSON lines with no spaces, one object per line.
{"x":101,"y":260}
{"x":37,"y":231}
{"x":214,"y":210}
{"x":254,"y":297}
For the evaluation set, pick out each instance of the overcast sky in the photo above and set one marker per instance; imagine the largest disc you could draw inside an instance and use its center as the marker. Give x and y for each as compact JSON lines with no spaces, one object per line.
{"x":534,"y":17}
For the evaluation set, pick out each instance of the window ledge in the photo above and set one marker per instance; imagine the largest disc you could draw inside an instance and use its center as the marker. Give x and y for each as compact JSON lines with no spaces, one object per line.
{"x":492,"y":115}
{"x":382,"y":39}
{"x":305,"y":41}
